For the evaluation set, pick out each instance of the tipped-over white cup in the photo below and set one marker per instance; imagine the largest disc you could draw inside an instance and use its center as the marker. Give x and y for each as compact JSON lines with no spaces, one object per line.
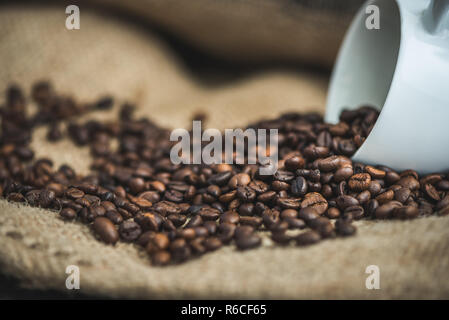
{"x":402,"y":68}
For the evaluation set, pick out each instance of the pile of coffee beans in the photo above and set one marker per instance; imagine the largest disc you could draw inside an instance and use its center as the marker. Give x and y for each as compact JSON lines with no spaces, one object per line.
{"x":177,"y":212}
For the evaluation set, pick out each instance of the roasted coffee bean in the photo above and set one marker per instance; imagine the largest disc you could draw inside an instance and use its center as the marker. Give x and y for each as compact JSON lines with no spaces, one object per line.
{"x":333,"y":213}
{"x":187,"y":233}
{"x":356,"y":212}
{"x":299,"y":186}
{"x":344,"y":228}
{"x":406,"y":212}
{"x":375,"y":173}
{"x":385,"y":197}
{"x":230,"y":217}
{"x":68,"y":213}
{"x":323,"y":226}
{"x":250,"y":241}
{"x":226,"y":231}
{"x":385,"y":211}
{"x":221,"y":178}
{"x":410,"y":182}
{"x":129,"y":231}
{"x":106,"y":230}
{"x":316,"y":201}
{"x":281,"y":237}
{"x":295,"y":223}
{"x":246,"y":209}
{"x":114,"y":216}
{"x":239,"y":180}
{"x":266,"y":196}
{"x":246,"y":194}
{"x":209,"y":214}
{"x":289,"y":213}
{"x":212,"y":243}
{"x":284,"y":176}
{"x":346,"y":201}
{"x":307,"y":238}
{"x":251,"y":221}
{"x":289,"y":203}
{"x":359,"y":182}
{"x":74,"y":193}
{"x":149,"y":221}
{"x":402,"y":194}
{"x":294,"y":163}
{"x":46,"y":198}
{"x":308,"y":213}
{"x":211,"y":227}
{"x":97,"y":210}
{"x":431,"y":192}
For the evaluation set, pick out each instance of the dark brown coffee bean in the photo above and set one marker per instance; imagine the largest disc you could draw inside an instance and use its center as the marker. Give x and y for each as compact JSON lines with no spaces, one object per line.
{"x":230,"y":217}
{"x":209,"y":214}
{"x":149,"y":221}
{"x":375,"y":173}
{"x":406,"y":212}
{"x":333,"y":213}
{"x":294,"y":163}
{"x":46,"y":198}
{"x":299,"y":186}
{"x":363,"y":197}
{"x":145,"y":238}
{"x":402,"y":194}
{"x":239,"y":180}
{"x":68,"y":213}
{"x":106,"y":230}
{"x":360,"y":181}
{"x":266,"y":196}
{"x":211,"y":227}
{"x":249,"y":241}
{"x":356,"y":212}
{"x":431,"y":192}
{"x":308,"y":213}
{"x":323,"y":226}
{"x":295,"y":223}
{"x":212,"y":243}
{"x":289,"y":203}
{"x":246,"y":194}
{"x":409,"y":182}
{"x":129,"y":231}
{"x":385,"y":211}
{"x":284,"y":176}
{"x":385,"y":197}
{"x":114,"y":216}
{"x":281,"y":237}
{"x":74,"y":193}
{"x":316,"y":201}
{"x":344,"y":228}
{"x":251,"y":221}
{"x":346,"y":201}
{"x":289,"y":213}
{"x":307,"y":238}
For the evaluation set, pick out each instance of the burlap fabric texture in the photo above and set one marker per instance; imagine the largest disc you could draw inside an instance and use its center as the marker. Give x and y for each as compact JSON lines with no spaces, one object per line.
{"x":112,"y":55}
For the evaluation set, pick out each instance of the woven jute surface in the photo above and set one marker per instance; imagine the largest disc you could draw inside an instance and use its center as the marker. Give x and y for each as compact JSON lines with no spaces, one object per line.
{"x":110,"y":55}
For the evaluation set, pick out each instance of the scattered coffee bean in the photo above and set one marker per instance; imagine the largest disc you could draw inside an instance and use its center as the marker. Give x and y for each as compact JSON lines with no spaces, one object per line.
{"x":136,"y":194}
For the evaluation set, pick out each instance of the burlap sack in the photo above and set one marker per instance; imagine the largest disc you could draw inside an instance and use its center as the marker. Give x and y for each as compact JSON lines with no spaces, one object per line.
{"x":110,"y":55}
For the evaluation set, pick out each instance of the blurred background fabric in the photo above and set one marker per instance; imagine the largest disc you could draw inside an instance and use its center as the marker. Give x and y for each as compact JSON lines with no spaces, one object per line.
{"x":238,"y":61}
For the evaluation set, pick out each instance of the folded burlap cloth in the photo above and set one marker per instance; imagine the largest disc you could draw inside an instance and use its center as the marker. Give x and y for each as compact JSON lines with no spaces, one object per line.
{"x":112,"y":55}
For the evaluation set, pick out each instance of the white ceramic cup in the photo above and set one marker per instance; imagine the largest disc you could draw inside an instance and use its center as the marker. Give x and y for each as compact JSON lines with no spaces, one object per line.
{"x":402,"y":68}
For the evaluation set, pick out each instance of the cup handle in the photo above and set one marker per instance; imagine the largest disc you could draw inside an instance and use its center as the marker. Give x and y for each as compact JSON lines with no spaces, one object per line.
{"x":436,"y":16}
